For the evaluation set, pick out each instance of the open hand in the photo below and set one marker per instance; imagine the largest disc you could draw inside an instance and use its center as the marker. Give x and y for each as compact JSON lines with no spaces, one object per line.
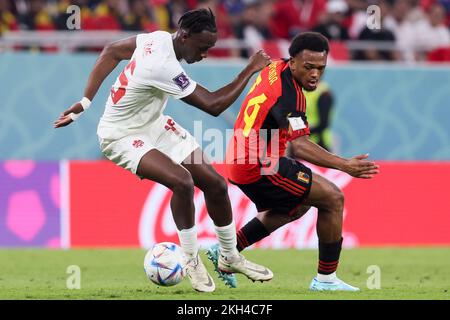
{"x":359,"y":167}
{"x":64,"y":119}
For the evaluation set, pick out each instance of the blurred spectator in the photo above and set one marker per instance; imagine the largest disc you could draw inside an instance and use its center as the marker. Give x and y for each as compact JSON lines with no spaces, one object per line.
{"x":430,"y":33}
{"x":311,"y":12}
{"x":106,"y":16}
{"x":285,"y":22}
{"x":398,"y":16}
{"x":8,"y":20}
{"x":403,"y":12}
{"x":176,"y":9}
{"x":446,"y":5}
{"x":412,"y":24}
{"x":401,"y":21}
{"x":37,"y":16}
{"x":426,"y":4}
{"x":417,"y":36}
{"x":332,"y":26}
{"x":139,"y":17}
{"x":233,"y":7}
{"x":417,"y":13}
{"x":224,"y":28}
{"x":356,"y":5}
{"x":254,"y":27}
{"x":161,"y":13}
{"x":382,"y":35}
{"x":293,"y":16}
{"x":62,"y":16}
{"x":358,"y":21}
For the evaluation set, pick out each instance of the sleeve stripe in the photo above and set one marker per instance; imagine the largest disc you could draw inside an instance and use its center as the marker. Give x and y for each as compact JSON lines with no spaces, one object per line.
{"x":304,"y":103}
{"x":297,"y":93}
{"x":301,"y":100}
{"x":298,"y":133}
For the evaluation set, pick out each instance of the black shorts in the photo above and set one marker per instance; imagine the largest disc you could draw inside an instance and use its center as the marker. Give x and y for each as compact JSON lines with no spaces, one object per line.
{"x":283,"y":191}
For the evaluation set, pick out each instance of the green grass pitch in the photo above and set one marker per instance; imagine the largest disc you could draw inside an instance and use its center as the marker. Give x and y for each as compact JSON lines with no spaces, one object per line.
{"x":407,"y":273}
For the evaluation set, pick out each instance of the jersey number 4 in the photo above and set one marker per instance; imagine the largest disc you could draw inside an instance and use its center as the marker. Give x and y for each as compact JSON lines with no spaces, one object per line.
{"x":252,"y":108}
{"x":116,"y":95}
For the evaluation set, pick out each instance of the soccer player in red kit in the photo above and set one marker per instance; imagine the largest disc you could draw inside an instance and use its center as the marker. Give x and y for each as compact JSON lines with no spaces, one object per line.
{"x":283,"y":189}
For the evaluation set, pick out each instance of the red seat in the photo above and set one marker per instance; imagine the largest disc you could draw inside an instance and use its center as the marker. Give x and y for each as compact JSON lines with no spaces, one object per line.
{"x":439,"y":55}
{"x":339,"y":51}
{"x":272,"y":48}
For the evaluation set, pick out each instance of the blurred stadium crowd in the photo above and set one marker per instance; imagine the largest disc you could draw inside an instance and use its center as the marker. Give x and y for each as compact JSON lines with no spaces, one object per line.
{"x":411,"y":30}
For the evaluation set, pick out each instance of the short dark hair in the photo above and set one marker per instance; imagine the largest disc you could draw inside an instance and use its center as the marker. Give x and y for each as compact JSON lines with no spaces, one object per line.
{"x":313,"y":41}
{"x":196,"y":21}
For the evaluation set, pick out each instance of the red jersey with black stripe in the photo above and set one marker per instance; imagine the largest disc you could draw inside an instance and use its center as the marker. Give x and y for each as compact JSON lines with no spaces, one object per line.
{"x":272,"y":114}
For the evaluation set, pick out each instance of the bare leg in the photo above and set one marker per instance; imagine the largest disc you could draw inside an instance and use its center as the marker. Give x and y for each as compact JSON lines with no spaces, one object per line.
{"x":329,"y":201}
{"x":214,"y":188}
{"x":273,"y":220}
{"x":157,"y":167}
{"x":226,"y":259}
{"x":264,"y":224}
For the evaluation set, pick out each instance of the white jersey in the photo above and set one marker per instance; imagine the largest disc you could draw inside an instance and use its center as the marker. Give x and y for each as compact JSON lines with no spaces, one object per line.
{"x":140,"y":93}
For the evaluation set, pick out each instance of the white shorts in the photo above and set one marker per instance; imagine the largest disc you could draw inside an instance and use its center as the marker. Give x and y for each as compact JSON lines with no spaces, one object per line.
{"x":163,"y":135}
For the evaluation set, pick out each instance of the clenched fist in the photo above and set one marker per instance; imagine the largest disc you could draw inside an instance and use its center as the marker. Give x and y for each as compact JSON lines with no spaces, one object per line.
{"x":258,"y":61}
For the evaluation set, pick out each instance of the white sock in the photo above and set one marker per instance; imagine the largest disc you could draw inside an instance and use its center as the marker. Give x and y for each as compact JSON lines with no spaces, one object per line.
{"x":326,"y":277}
{"x":188,"y":241}
{"x":227,"y":240}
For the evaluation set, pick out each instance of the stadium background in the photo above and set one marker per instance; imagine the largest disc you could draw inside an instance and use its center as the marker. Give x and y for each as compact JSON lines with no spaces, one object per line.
{"x":56,"y":191}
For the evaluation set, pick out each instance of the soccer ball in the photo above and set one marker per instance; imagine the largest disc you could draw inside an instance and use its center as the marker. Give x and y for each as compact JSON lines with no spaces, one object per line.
{"x":163,"y":264}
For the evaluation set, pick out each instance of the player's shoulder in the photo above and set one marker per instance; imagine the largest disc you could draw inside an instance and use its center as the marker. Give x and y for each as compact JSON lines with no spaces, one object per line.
{"x":161,"y":35}
{"x":155,"y":48}
{"x":156,"y":38}
{"x":272,"y":75}
{"x":275,"y":67}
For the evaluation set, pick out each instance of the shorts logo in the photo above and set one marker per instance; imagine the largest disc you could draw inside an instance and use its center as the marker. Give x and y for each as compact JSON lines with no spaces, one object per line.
{"x":303,"y":177}
{"x":182,"y":81}
{"x":171,"y":127}
{"x":138,"y":143}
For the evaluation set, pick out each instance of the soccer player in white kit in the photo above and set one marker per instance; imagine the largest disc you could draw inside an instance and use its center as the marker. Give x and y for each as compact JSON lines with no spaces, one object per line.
{"x":135,"y":134}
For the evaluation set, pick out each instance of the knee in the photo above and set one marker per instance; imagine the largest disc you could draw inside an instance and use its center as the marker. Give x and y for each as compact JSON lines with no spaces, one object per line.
{"x":183,"y":184}
{"x":337,"y":200}
{"x":217,"y":186}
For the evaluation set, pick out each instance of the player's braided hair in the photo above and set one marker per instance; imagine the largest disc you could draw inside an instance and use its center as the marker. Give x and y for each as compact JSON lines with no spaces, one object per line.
{"x":313,"y":41}
{"x":196,"y":21}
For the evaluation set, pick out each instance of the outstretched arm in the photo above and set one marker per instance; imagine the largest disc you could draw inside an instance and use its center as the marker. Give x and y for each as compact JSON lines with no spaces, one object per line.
{"x":218,"y":101}
{"x":357,"y":166}
{"x":109,"y":58}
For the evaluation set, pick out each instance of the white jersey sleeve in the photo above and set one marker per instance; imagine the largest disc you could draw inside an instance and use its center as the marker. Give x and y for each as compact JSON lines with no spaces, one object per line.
{"x":167,"y":74}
